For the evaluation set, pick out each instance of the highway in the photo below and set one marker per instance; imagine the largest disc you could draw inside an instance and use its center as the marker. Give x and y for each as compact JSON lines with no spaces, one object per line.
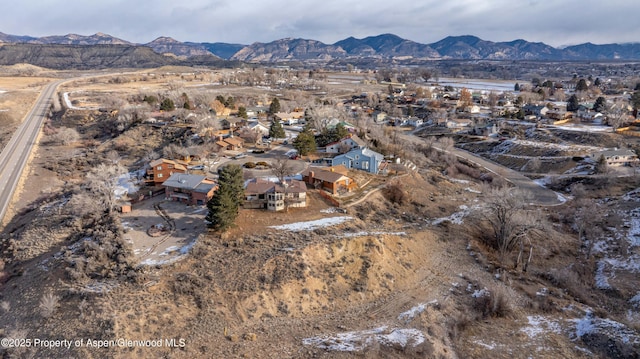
{"x":15,"y":155}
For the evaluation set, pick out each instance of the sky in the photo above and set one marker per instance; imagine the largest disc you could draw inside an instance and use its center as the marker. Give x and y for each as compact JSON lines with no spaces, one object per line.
{"x":557,"y":23}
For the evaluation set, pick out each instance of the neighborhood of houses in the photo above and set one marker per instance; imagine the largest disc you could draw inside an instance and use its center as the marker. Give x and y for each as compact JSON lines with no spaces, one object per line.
{"x":458,"y":111}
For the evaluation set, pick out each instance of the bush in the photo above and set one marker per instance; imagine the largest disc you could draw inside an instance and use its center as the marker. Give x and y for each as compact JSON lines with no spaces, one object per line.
{"x":249,"y":165}
{"x":492,"y":302}
{"x":395,"y":193}
{"x":262,"y":164}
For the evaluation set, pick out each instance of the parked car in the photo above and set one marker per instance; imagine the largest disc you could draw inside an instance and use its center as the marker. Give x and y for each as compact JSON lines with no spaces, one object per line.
{"x":237,"y":157}
{"x":196,"y":167}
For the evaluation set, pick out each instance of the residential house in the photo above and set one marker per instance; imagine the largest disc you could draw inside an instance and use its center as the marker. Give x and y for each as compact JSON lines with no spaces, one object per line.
{"x":458,"y":124}
{"x":161,"y":169}
{"x":331,"y":179}
{"x":379,"y":116}
{"x":589,"y":116}
{"x":617,"y":157}
{"x":289,"y":118}
{"x":264,"y":194}
{"x":485,"y":130}
{"x":259,"y":128}
{"x":189,"y":189}
{"x":230,"y":143}
{"x":415,"y":122}
{"x":361,"y":159}
{"x":346,"y":144}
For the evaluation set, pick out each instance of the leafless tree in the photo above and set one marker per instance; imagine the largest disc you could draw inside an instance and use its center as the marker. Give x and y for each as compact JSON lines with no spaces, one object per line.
{"x":504,"y":208}
{"x":65,"y":136}
{"x":102,"y":182}
{"x":113,"y":157}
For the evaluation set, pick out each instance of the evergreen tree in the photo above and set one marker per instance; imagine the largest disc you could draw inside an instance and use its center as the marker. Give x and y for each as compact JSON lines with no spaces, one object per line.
{"x":242,"y":112}
{"x":600,"y":104}
{"x":572,"y":103}
{"x":305,"y":143}
{"x":224,"y":205}
{"x":582,"y":85}
{"x":167,"y":105}
{"x":516,"y":87}
{"x":276,"y":130}
{"x":274,"y":107}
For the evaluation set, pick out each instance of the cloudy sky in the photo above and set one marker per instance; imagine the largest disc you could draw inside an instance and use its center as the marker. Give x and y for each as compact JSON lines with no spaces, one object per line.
{"x":557,"y":23}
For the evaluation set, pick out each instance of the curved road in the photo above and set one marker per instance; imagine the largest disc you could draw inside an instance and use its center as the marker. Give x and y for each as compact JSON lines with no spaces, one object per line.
{"x":15,"y":155}
{"x":541,"y":195}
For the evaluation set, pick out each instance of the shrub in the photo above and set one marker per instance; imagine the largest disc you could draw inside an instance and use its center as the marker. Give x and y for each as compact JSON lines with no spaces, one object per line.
{"x":492,"y":302}
{"x":262,"y":163}
{"x":249,"y":164}
{"x":395,"y":193}
{"x":48,"y":304}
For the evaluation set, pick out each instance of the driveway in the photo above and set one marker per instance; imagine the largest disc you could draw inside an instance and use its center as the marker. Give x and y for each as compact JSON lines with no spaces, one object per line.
{"x":183,"y":226}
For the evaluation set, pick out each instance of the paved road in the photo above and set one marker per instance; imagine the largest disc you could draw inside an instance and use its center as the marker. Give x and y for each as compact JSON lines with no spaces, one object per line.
{"x":15,"y":155}
{"x":541,"y":195}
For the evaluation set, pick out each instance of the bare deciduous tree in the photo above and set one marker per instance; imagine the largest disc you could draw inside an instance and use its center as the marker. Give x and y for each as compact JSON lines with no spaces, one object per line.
{"x":65,"y":136}
{"x":505,"y":210}
{"x":102,"y":181}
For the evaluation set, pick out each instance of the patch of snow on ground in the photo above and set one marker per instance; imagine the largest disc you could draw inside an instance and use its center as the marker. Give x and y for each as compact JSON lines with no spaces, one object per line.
{"x":127,"y":183}
{"x":602,"y":281}
{"x":469,"y":189}
{"x":615,"y":330}
{"x":181,"y":252}
{"x":539,"y":325}
{"x":358,"y":340}
{"x":490,"y":346}
{"x":415,"y":311}
{"x":455,"y":218}
{"x":311,"y":225}
{"x":363,"y":233}
{"x":455,"y":180}
{"x":635,"y":300}
{"x":633,"y":222}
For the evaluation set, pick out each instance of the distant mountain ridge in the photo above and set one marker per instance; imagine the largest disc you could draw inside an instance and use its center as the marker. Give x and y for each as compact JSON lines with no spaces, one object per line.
{"x":384,"y":47}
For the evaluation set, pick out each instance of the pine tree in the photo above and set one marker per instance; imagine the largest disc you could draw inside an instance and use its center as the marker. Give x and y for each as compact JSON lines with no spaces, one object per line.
{"x":305,"y":143}
{"x":274,"y":107}
{"x":600,"y":104}
{"x":276,"y":130}
{"x":242,"y":112}
{"x":573,"y":104}
{"x":167,"y":105}
{"x":227,"y":199}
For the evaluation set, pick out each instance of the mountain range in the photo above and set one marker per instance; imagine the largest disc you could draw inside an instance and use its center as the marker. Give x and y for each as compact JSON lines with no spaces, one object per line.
{"x":34,"y":50}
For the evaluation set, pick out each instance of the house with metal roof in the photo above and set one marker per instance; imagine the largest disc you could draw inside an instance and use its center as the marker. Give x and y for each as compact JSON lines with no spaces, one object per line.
{"x":189,"y":189}
{"x":360,"y":159}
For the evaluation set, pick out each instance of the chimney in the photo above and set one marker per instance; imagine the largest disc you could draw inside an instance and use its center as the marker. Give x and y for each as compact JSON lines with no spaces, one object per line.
{"x":311,"y":175}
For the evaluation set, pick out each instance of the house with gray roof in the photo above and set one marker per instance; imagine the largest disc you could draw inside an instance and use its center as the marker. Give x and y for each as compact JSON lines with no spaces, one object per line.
{"x":361,"y":159}
{"x":189,"y":189}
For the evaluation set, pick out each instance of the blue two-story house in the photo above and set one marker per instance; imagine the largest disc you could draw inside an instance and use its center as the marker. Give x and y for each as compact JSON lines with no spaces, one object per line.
{"x":360,"y":159}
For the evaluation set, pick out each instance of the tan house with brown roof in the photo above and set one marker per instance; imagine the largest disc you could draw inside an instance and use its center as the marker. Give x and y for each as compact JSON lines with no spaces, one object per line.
{"x":161,"y":169}
{"x":231,"y":143}
{"x":264,"y":194}
{"x":331,"y":179}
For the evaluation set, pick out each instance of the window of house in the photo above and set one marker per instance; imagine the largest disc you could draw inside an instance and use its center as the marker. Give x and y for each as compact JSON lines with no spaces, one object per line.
{"x":159,"y":168}
{"x":357,"y":157}
{"x":159,"y":175}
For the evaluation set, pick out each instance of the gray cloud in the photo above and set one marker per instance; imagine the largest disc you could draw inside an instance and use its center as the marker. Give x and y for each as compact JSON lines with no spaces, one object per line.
{"x":246,"y":21}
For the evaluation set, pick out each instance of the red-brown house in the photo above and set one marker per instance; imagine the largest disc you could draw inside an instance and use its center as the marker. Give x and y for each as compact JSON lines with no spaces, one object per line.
{"x":189,"y":189}
{"x":332,"y":179}
{"x":161,"y":169}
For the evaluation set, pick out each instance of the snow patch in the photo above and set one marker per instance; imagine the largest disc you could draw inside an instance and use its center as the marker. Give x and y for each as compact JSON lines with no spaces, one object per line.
{"x":415,"y":311}
{"x":456,"y":218}
{"x":359,"y":340}
{"x":635,"y":300}
{"x":311,"y":225}
{"x":539,"y":325}
{"x":615,"y":330}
